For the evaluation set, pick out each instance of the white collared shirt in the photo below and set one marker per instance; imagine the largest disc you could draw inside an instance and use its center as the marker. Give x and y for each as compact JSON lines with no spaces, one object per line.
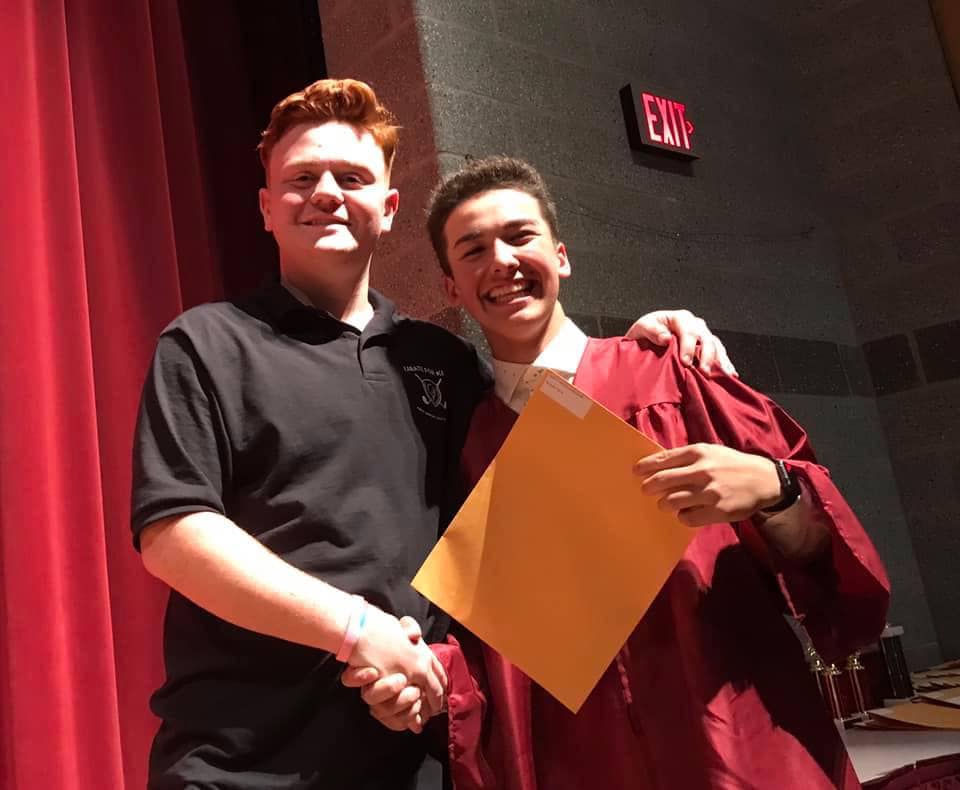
{"x":514,"y":382}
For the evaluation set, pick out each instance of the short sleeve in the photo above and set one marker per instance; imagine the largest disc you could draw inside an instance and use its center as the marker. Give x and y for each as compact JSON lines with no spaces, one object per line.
{"x":181,"y":456}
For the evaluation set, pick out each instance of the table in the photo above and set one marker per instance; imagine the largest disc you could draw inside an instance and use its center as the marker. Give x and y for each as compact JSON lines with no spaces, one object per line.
{"x":889,"y":759}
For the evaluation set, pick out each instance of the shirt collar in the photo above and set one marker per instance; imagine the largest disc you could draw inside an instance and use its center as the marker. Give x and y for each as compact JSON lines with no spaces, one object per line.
{"x":562,"y":355}
{"x":288,"y":313}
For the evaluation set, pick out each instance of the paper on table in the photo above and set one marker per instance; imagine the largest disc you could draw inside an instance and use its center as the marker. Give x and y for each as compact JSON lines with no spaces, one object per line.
{"x":921,"y":714}
{"x":944,"y":697}
{"x":556,"y":554}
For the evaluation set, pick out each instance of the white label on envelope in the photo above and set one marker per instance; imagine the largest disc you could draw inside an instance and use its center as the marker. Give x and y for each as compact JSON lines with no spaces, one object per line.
{"x":567,"y":396}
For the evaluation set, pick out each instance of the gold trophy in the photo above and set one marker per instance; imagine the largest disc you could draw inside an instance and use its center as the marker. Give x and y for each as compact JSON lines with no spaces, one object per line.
{"x":826,"y":675}
{"x":854,"y":670}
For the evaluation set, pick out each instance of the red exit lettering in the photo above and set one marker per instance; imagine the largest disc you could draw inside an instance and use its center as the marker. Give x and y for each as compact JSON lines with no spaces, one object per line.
{"x":666,"y":122}
{"x":657,"y":123}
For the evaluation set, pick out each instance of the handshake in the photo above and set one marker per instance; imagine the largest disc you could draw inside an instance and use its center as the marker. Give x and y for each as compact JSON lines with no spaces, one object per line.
{"x":398,"y":675}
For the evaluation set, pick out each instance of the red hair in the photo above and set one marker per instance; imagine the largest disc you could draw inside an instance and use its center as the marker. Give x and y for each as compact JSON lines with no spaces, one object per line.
{"x":349,"y":101}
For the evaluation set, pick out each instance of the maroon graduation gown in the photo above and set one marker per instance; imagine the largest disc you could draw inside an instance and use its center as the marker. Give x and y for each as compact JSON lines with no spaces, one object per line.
{"x":711,"y":690}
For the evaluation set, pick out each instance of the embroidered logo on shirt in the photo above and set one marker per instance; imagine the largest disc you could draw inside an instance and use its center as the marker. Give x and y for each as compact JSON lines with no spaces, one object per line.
{"x":431,"y":394}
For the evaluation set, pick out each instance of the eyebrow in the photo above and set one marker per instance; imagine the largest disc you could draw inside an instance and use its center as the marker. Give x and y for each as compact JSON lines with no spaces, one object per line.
{"x":302,"y":164}
{"x":473,"y":235}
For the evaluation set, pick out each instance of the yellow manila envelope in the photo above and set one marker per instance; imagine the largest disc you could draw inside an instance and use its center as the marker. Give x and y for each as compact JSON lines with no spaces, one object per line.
{"x":556,"y":554}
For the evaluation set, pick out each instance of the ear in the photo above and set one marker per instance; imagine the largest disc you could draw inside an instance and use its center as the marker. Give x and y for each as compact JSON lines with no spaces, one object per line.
{"x":264,"y":197}
{"x":391,"y":205}
{"x":563,"y":266}
{"x":450,"y":288}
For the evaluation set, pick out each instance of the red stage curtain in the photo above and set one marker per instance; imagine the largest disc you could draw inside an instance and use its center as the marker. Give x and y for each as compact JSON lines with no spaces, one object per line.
{"x":103,"y":239}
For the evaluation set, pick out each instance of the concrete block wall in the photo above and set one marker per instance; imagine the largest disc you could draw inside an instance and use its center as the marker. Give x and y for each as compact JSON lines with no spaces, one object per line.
{"x":744,"y":239}
{"x":744,"y":236}
{"x":881,"y":116}
{"x":379,"y":43}
{"x":541,"y":80}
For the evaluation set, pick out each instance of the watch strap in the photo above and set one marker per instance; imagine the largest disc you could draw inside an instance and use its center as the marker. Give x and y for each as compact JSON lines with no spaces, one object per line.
{"x":790,"y":490}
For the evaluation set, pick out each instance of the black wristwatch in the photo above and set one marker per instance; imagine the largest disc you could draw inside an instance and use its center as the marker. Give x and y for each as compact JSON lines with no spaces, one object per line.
{"x":790,"y":490}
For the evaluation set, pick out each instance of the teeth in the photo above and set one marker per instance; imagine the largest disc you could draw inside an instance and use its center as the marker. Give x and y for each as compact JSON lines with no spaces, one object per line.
{"x":502,"y":291}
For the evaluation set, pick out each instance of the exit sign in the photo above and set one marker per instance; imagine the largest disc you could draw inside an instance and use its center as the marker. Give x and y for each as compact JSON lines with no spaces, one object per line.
{"x":657,"y":121}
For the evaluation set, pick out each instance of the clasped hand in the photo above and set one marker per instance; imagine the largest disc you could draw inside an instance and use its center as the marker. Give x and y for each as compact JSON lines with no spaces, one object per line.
{"x":400,"y":678}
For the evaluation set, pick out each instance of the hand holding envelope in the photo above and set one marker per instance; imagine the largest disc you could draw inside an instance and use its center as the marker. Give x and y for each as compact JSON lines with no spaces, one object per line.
{"x":557,"y":531}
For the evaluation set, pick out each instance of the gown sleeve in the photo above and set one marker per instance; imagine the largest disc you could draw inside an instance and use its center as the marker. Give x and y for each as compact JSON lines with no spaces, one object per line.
{"x":842,"y":596}
{"x":466,"y":711}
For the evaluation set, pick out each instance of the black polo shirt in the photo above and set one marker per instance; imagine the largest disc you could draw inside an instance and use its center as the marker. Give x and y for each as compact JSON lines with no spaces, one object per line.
{"x":337,"y":449}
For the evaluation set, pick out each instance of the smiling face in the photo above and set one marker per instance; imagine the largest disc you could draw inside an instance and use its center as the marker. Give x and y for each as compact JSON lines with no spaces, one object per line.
{"x":505,"y":270}
{"x":327,"y":201}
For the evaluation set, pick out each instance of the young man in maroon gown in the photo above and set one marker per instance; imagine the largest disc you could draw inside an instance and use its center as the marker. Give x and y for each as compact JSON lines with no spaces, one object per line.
{"x":711,"y":690}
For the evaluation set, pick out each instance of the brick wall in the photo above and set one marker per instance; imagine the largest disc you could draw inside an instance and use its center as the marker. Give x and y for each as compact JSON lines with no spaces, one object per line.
{"x":882,"y":117}
{"x":762,"y":235}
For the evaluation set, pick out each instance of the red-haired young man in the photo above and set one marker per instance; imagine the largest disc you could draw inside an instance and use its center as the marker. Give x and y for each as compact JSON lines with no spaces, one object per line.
{"x":292,"y":469}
